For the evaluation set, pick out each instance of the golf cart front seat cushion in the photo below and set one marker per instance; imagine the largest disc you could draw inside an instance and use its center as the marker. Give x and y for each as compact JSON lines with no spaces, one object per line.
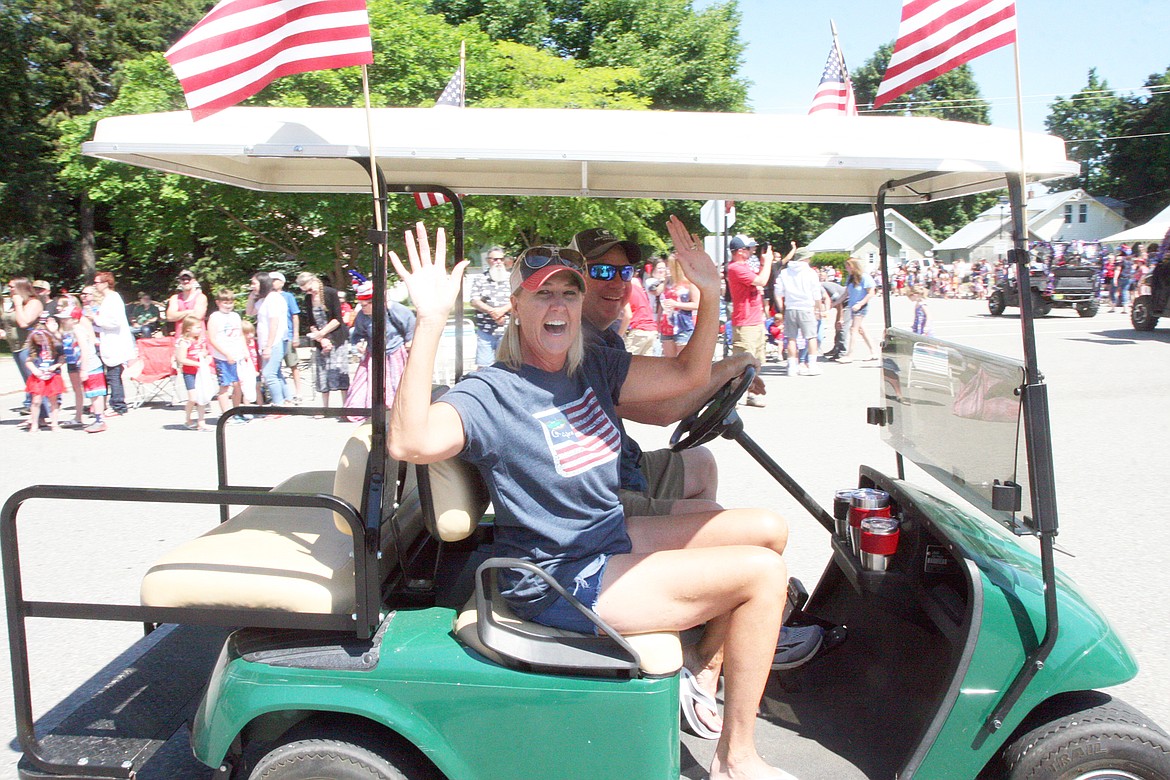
{"x":292,"y":559}
{"x":453,"y":484}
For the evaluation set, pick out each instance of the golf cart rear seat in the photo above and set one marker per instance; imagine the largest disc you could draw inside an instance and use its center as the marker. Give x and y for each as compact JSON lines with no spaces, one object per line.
{"x":295,"y":559}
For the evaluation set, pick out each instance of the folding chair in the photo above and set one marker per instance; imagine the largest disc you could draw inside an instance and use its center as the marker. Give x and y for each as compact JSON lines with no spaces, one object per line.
{"x":930,"y":366}
{"x":153,"y":372}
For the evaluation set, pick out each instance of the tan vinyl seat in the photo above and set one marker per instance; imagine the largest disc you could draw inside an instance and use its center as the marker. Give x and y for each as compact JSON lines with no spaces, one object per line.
{"x":453,"y":484}
{"x":292,"y":559}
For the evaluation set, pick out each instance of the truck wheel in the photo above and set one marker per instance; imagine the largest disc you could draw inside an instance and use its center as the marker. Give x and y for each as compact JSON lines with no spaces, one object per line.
{"x":1088,"y":309}
{"x":996,"y":303}
{"x":1110,"y":740}
{"x":324,"y":759}
{"x":1142,"y":313}
{"x":1040,"y":306}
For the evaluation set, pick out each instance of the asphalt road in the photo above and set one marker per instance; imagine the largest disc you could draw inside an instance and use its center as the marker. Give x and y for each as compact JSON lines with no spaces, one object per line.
{"x":1108,"y":432}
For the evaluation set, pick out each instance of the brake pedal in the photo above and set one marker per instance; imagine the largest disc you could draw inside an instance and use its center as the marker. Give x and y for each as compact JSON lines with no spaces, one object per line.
{"x":797,"y":597}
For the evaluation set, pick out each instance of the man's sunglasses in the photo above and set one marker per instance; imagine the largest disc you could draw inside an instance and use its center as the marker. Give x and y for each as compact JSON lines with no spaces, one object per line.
{"x":535,"y":257}
{"x":604,"y":272}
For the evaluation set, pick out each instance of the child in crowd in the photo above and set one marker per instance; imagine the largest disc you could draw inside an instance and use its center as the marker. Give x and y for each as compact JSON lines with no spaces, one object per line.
{"x":68,"y":312}
{"x":226,"y":337}
{"x":922,"y":324}
{"x":251,"y":388}
{"x":93,"y":371}
{"x":45,"y":361}
{"x":191,"y":354}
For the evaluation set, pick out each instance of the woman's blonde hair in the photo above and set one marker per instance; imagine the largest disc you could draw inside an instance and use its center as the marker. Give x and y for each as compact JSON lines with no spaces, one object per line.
{"x":509,"y":353}
{"x":853,"y":268}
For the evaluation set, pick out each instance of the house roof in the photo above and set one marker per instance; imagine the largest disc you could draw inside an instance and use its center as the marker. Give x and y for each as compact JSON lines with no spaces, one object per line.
{"x":846,"y":233}
{"x":990,"y":221}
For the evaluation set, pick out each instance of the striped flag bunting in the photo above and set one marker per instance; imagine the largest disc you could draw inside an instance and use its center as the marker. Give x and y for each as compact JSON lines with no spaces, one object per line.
{"x":243,"y":45}
{"x":936,"y":36}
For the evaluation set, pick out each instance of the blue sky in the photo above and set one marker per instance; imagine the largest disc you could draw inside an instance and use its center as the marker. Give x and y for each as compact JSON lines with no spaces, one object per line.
{"x":788,"y":41}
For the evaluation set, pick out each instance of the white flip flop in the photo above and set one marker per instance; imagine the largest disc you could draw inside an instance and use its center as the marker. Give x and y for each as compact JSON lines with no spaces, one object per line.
{"x":690,"y":696}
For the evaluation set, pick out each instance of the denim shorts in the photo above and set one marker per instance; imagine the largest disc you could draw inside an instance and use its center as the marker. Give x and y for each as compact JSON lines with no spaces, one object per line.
{"x":189,"y":380}
{"x":226,"y":373}
{"x":586,"y":589}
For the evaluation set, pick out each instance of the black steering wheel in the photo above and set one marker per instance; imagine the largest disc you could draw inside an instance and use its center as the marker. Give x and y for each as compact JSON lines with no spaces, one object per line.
{"x":707,"y":423}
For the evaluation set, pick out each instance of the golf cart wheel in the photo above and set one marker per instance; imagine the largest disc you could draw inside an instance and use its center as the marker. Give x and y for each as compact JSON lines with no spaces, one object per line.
{"x":996,"y":303}
{"x":324,"y":759}
{"x":1142,"y":313}
{"x":1106,"y":741}
{"x":1088,"y":308}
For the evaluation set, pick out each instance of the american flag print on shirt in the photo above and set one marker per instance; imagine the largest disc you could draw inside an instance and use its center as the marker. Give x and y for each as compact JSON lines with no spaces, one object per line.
{"x":580,"y":435}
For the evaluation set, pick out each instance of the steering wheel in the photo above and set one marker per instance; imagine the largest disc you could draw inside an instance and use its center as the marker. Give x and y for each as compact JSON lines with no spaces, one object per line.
{"x":707,"y":423}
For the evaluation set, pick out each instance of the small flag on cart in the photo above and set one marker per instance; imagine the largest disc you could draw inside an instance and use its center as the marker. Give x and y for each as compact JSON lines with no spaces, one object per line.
{"x":835,"y":92}
{"x":936,"y":36}
{"x":453,"y":96}
{"x":243,"y":45}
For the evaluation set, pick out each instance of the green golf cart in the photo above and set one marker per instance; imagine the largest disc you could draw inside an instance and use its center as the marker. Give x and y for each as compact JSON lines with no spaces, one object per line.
{"x":346,"y":624}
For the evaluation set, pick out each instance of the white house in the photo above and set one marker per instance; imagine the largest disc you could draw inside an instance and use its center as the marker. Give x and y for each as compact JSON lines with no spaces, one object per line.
{"x":858,"y":236}
{"x":1051,"y":216}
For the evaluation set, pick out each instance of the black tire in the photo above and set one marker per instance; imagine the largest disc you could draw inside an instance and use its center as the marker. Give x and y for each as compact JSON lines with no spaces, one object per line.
{"x":996,"y":303}
{"x":1088,"y":309}
{"x":1108,"y":740}
{"x":1141,"y":314}
{"x":324,"y":759}
{"x":1040,"y":307}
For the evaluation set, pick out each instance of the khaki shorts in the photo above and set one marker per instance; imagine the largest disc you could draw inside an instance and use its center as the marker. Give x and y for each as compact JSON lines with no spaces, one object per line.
{"x":666,"y":475}
{"x":641,"y":342}
{"x":291,"y":358}
{"x":749,"y":339}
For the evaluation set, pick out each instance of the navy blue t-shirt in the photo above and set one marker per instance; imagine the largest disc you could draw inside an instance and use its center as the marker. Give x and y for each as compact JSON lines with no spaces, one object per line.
{"x":631,"y":475}
{"x":548,"y":446}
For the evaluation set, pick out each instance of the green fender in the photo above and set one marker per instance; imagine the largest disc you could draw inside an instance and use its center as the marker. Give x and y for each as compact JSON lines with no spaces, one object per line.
{"x":464,"y":713}
{"x":1088,"y":654}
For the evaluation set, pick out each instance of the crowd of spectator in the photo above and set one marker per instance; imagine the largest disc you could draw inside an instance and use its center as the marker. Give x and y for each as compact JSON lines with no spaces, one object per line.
{"x":76,"y":347}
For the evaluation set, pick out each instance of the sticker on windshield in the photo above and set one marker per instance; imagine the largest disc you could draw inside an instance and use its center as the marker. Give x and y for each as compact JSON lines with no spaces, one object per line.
{"x":580,"y":435}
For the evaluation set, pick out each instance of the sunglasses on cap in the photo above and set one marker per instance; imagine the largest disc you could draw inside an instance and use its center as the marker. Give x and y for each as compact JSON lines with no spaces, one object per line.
{"x":535,"y":257}
{"x":604,"y":272}
{"x":186,"y":278}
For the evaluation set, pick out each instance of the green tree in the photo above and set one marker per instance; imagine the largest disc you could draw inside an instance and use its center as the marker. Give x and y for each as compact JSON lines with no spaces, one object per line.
{"x":1140,"y":160}
{"x":1086,"y":120}
{"x":686,"y":59}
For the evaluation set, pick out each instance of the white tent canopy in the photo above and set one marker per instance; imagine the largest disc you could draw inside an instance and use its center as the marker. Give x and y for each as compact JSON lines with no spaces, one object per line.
{"x":583,"y":152}
{"x":1154,"y":230}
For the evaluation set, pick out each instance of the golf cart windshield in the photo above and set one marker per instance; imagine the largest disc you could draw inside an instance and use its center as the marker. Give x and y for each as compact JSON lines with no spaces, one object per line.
{"x":956,"y":412}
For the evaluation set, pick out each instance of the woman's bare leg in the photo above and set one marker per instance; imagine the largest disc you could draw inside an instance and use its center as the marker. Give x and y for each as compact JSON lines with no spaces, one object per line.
{"x":739,"y":592}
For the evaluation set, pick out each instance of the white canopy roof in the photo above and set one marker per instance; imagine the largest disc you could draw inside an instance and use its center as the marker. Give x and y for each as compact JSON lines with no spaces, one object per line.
{"x":1154,"y":230}
{"x":583,"y":152}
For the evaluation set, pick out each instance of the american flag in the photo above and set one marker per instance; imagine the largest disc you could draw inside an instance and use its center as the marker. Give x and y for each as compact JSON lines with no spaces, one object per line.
{"x":242,"y":45}
{"x":835,"y":92}
{"x":580,"y":435}
{"x":453,"y":96}
{"x":938,"y":35}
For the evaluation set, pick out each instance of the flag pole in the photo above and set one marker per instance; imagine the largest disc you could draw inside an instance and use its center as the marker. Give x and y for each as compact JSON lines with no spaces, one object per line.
{"x":837,"y":48}
{"x":1020,"y":111}
{"x":463,"y":70}
{"x":373,"y":161}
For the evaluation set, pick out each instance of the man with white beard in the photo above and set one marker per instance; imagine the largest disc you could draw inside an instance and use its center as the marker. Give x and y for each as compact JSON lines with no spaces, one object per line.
{"x":491,"y":297}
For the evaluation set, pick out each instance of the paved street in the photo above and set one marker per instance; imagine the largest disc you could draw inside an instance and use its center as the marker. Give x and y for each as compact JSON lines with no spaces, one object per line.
{"x":1106,"y":384}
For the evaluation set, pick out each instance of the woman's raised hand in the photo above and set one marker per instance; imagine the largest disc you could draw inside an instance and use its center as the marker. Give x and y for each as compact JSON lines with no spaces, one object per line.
{"x":697,"y":264}
{"x":432,"y":290}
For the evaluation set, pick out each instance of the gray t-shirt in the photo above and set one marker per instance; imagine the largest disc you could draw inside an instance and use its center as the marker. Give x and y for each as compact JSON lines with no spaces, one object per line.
{"x":547,"y":445}
{"x":632,"y":477}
